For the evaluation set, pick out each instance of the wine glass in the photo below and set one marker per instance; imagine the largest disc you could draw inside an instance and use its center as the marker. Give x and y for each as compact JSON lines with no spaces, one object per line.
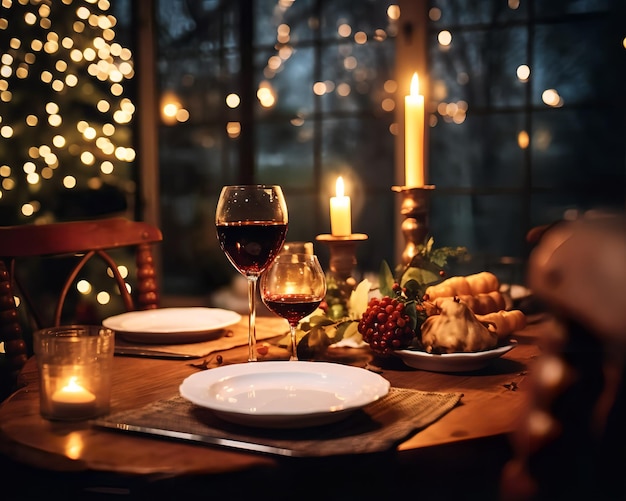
{"x":251,"y":223}
{"x":292,"y":287}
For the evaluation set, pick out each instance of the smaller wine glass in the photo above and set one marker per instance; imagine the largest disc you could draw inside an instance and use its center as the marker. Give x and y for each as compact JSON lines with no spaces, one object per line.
{"x":292,"y":287}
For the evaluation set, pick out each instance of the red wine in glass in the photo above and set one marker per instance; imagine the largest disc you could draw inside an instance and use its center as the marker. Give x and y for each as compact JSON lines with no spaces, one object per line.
{"x":251,"y":223}
{"x":292,"y":307}
{"x":293,"y":286}
{"x":251,"y":245}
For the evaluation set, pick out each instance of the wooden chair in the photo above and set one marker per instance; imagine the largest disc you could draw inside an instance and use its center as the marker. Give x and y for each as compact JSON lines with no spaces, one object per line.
{"x":78,"y":241}
{"x":571,"y":444}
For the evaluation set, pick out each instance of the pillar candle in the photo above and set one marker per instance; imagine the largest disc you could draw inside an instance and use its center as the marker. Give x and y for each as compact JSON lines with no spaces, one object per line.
{"x":340,"y":217}
{"x":414,"y":136}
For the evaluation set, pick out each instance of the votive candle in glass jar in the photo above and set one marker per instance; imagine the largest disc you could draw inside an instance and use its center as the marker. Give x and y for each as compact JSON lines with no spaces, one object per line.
{"x":75,"y":366}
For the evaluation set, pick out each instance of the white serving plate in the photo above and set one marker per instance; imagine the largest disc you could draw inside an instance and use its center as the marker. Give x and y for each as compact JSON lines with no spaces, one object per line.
{"x":284,"y":394}
{"x":452,"y":362}
{"x":172,"y":325}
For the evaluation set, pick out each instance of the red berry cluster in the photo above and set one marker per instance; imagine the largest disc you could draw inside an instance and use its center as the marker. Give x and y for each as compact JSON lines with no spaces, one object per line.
{"x":385,"y":325}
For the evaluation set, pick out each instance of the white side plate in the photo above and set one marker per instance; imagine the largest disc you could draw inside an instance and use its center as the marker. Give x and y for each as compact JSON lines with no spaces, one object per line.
{"x":284,"y":394}
{"x":172,"y":325}
{"x":451,"y":362}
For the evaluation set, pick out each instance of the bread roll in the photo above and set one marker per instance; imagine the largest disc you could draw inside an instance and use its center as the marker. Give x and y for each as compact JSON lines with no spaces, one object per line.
{"x":504,"y":322}
{"x":470,"y":285}
{"x":480,"y":304}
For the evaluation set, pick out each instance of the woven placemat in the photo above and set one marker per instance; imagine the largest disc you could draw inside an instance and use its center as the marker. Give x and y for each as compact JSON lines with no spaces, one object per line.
{"x":236,"y":335}
{"x":378,"y":427}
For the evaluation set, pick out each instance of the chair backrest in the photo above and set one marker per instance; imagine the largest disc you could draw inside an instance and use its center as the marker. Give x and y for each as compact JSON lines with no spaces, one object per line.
{"x":82,"y":240}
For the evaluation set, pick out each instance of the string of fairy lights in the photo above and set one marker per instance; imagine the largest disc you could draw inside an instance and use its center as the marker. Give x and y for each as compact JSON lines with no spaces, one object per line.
{"x":63,"y":114}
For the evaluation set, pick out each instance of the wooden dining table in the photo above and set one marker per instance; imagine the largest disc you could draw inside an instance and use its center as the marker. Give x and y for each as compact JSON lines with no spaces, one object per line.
{"x":460,"y":454}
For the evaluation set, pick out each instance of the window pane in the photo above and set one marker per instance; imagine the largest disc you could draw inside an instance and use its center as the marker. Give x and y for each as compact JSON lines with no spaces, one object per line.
{"x":364,"y":17}
{"x":488,"y":225}
{"x":296,"y":19}
{"x":191,"y":171}
{"x":285,"y":154}
{"x":355,"y":77}
{"x":289,"y":88}
{"x":566,"y":151}
{"x":579,"y":68}
{"x":560,"y":7}
{"x":377,"y":218}
{"x":357,"y":146}
{"x":196,"y":26}
{"x":198,"y":66}
{"x":302,"y":220}
{"x":198,"y":85}
{"x":552,"y":207}
{"x":477,"y":11}
{"x":515,"y":150}
{"x":480,"y":67}
{"x":482,"y":152}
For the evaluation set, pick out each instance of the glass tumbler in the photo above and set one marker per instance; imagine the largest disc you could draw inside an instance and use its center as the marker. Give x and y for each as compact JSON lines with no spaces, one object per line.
{"x":75,"y":365}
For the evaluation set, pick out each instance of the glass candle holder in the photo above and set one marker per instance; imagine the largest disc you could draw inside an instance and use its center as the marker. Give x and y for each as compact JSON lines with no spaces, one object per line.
{"x":75,"y":366}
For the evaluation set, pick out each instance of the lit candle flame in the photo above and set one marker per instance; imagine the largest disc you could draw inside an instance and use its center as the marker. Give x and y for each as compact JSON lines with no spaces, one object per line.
{"x":73,"y":386}
{"x":339,"y":188}
{"x":415,"y":85}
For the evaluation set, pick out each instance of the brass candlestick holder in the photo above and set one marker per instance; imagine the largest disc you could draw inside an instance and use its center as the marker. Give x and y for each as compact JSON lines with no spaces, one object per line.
{"x":342,"y":253}
{"x":415,"y":209}
{"x":342,"y":265}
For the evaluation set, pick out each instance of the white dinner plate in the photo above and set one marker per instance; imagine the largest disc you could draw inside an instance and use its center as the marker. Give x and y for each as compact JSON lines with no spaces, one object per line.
{"x":284,"y":394}
{"x":452,"y":362}
{"x":172,"y":325}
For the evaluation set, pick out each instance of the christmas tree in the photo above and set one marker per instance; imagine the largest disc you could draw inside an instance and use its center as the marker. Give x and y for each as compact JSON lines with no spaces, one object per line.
{"x":65,"y":121}
{"x":66,"y":144}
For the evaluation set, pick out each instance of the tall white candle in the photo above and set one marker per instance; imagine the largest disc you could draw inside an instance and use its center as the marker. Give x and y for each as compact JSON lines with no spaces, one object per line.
{"x":340,"y":212}
{"x":414,"y":136}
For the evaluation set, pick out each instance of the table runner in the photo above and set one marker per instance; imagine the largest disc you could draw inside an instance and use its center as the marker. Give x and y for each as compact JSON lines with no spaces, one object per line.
{"x":378,"y":427}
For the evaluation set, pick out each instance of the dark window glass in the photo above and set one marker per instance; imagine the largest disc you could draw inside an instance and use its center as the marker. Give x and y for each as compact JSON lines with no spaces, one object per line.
{"x":481,"y":152}
{"x":479,"y":67}
{"x":285,"y":155}
{"x":472,"y":12}
{"x":510,"y":150}
{"x":290,"y":86}
{"x":562,"y":7}
{"x":507,"y":150}
{"x":309,"y":108}
{"x":579,"y":59}
{"x":298,"y":18}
